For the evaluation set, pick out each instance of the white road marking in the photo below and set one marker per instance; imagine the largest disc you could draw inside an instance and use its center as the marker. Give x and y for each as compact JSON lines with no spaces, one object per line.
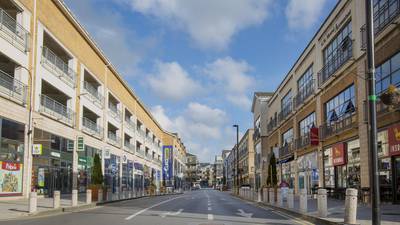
{"x":242,"y":213}
{"x":144,"y":210}
{"x":210,"y":217}
{"x":163,"y":215}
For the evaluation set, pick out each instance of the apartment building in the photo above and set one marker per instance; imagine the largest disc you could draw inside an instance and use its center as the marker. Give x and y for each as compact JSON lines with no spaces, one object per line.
{"x":174,"y":161}
{"x":229,"y":168}
{"x":218,"y":168}
{"x":246,"y":160}
{"x":63,"y":102}
{"x":317,"y":117}
{"x":192,"y":169}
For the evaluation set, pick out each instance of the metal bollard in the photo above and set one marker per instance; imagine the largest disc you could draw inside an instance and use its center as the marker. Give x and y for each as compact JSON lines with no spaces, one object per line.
{"x":350,"y":211}
{"x":290,"y":199}
{"x":279,"y":199}
{"x":56,"y":199}
{"x":322,"y":203}
{"x":88,"y":196}
{"x":32,"y":202}
{"x":100,"y":195}
{"x":74,"y":200}
{"x":271,"y":196}
{"x":303,"y":201}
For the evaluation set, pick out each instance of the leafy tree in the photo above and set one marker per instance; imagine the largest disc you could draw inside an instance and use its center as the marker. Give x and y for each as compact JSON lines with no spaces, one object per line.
{"x":97,"y":175}
{"x":272,"y":178}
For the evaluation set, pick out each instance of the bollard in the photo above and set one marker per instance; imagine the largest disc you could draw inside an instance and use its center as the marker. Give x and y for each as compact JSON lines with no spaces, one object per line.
{"x":350,"y":211}
{"x":279,"y":199}
{"x":32,"y":202}
{"x":56,"y":199}
{"x":259,"y":195}
{"x":88,"y":196}
{"x":303,"y":201}
{"x":100,"y":195}
{"x":290,"y":199}
{"x":74,"y":200}
{"x":322,"y":203}
{"x":271,"y":196}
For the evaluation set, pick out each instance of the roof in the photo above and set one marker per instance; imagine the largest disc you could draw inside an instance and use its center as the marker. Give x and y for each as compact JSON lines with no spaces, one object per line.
{"x":257,"y":95}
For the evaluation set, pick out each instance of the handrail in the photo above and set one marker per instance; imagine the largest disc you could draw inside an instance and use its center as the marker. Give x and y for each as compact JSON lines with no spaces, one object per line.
{"x":56,"y":63}
{"x":15,"y":30}
{"x":93,"y":92}
{"x":93,"y":126}
{"x":13,"y":87}
{"x":56,"y":109}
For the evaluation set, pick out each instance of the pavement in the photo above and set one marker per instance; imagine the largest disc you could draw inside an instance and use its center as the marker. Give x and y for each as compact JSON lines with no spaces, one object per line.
{"x":202,"y":207}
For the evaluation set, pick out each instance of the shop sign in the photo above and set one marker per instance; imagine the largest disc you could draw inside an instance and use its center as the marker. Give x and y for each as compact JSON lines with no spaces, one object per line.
{"x":314,"y":136}
{"x":339,"y":154}
{"x":167,"y":162}
{"x":70,"y":145}
{"x":41,"y":177}
{"x":10,"y":177}
{"x":394,"y":139}
{"x":10,"y":166}
{"x":124,"y":159}
{"x":81,"y":144}
{"x":37,"y":149}
{"x":107,"y":154}
{"x":55,"y":154}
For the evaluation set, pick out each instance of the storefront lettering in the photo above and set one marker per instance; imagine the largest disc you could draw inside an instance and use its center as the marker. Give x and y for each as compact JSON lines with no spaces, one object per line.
{"x":394,"y":139}
{"x":10,"y":166}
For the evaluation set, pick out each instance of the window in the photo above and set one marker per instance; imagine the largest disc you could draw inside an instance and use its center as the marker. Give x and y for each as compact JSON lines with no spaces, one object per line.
{"x":306,"y":124}
{"x":341,"y":105}
{"x":384,"y":12}
{"x":286,"y":101}
{"x":305,"y":81}
{"x":388,"y":73}
{"x":333,"y":50}
{"x":287,"y":137}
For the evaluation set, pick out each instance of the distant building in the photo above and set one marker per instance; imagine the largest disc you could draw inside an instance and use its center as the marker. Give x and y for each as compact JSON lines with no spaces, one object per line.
{"x":192,"y":171}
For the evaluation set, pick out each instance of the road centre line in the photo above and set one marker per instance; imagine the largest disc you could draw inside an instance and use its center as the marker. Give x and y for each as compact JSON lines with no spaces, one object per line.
{"x":155,"y":205}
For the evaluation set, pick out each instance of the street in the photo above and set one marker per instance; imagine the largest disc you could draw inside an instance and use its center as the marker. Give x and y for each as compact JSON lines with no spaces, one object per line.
{"x":192,"y":208}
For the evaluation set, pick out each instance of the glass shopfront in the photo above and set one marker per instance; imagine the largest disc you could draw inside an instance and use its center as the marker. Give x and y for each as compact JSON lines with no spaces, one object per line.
{"x":308,"y":171}
{"x":52,"y":166}
{"x":127,"y":175}
{"x":85,"y":164}
{"x":138,"y":177}
{"x":288,"y":172}
{"x":111,"y":173}
{"x":11,"y":157}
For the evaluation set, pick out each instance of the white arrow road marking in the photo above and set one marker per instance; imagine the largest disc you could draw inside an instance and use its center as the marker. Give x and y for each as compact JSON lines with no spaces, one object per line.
{"x":171,"y":213}
{"x":144,"y":210}
{"x":242,"y":213}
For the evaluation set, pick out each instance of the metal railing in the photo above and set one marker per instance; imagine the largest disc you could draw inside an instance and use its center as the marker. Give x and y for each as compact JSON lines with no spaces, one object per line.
{"x":286,"y":150}
{"x":303,"y":141}
{"x":141,"y":133}
{"x":285,"y":112}
{"x":384,"y":16}
{"x":57,"y":65}
{"x":12,"y":87}
{"x":131,"y":147}
{"x":16,"y":33}
{"x":344,"y":123}
{"x":272,"y":124}
{"x":93,"y":92}
{"x":56,"y":109}
{"x":113,"y":138}
{"x":92,"y":127}
{"x":344,"y":53}
{"x":148,"y":156}
{"x":307,"y":90}
{"x":130,"y":124}
{"x":114,"y":112}
{"x":140,"y":152}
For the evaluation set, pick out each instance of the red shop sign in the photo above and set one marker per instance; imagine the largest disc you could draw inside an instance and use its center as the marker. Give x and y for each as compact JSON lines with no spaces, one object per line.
{"x":10,"y":166}
{"x":394,"y":139}
{"x":314,"y":136}
{"x":339,"y":154}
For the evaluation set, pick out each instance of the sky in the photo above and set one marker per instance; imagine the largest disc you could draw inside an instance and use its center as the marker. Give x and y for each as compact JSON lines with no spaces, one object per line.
{"x":197,"y":63}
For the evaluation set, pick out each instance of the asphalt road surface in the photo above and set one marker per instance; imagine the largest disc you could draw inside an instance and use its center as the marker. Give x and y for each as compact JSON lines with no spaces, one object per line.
{"x":202,"y":207}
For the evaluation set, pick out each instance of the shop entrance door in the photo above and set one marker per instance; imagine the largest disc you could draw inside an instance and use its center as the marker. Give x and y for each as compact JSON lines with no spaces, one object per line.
{"x":396,"y":180}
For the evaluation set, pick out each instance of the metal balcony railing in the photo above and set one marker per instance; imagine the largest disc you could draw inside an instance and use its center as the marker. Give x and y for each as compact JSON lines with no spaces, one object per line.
{"x":129,"y":146}
{"x":55,"y":109}
{"x":94,"y":93}
{"x":285,"y":112}
{"x":140,"y":152}
{"x":272,"y":124}
{"x":17,"y":35}
{"x":12,"y":87}
{"x":286,"y":151}
{"x":344,"y":53}
{"x":92,"y":127}
{"x":141,"y":133}
{"x":303,"y":141}
{"x":148,"y":156}
{"x":114,"y":112}
{"x":385,"y":14}
{"x":306,"y":91}
{"x":113,"y":138}
{"x":345,"y":122}
{"x":58,"y":66}
{"x":130,"y":124}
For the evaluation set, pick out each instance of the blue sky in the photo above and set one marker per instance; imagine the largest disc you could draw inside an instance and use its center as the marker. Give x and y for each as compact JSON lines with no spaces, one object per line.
{"x":196,"y":63}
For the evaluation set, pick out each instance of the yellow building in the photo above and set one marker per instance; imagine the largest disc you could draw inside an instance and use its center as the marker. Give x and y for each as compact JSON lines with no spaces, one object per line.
{"x":246,"y":160}
{"x":174,"y":176}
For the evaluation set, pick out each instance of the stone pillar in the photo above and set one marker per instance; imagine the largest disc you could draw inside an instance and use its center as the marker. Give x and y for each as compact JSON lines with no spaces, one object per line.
{"x":88,"y":196}
{"x":271,"y":196}
{"x":100,"y":195}
{"x":56,"y":199}
{"x":32,"y":202}
{"x":303,"y":201}
{"x":74,"y":200}
{"x":290,"y":198}
{"x":322,"y":203}
{"x":350,"y":211}
{"x":279,"y":200}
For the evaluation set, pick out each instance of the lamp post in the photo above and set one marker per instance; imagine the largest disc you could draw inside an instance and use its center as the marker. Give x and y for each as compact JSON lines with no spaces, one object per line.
{"x":237,"y":158}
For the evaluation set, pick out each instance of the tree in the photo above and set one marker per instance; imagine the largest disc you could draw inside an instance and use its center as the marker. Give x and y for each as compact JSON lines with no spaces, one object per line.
{"x":272,"y":178}
{"x":97,"y":175}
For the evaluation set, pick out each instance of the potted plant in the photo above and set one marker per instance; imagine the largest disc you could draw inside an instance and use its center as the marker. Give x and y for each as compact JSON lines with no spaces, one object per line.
{"x":97,"y":178}
{"x":390,"y":96}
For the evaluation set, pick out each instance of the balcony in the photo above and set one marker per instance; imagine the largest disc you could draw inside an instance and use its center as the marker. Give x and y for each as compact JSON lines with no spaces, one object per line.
{"x":139,"y":152}
{"x":286,"y":151}
{"x":114,"y":112}
{"x":141,"y":133}
{"x":343,"y":123}
{"x":56,"y":110}
{"x":93,"y":92}
{"x":92,"y":127}
{"x":129,"y":146}
{"x":285,"y":112}
{"x":307,"y":90}
{"x":256,"y":134}
{"x":14,"y":33}
{"x":272,"y":124}
{"x":385,"y":14}
{"x":344,"y":53}
{"x":13,"y":88}
{"x":303,"y":141}
{"x":55,"y":64}
{"x":113,"y":139}
{"x":130,"y":125}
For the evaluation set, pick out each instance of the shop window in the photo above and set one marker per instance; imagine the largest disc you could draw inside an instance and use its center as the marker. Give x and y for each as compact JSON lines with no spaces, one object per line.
{"x":388,"y":73}
{"x":306,"y":124}
{"x":341,"y":105}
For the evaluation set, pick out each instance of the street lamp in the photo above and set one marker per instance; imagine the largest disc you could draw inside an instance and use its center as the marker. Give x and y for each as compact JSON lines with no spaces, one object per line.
{"x":237,"y":157}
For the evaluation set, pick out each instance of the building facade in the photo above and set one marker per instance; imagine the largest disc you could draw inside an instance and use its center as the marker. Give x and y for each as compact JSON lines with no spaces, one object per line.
{"x":174,"y":161}
{"x":317,"y":117}
{"x":247,"y":169}
{"x":219,"y":170}
{"x":229,"y":164}
{"x":63,"y":103}
{"x":192,"y":169}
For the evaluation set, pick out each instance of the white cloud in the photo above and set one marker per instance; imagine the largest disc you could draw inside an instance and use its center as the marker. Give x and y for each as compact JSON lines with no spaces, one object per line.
{"x":232,"y":77}
{"x":210,"y":23}
{"x":303,"y":14}
{"x":172,"y":82}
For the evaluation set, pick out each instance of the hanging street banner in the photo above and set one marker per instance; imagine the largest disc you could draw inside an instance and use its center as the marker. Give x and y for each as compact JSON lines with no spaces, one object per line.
{"x":167,"y":163}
